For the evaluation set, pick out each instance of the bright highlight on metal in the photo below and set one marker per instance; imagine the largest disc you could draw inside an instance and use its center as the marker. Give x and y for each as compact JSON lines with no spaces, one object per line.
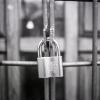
{"x":34,"y":63}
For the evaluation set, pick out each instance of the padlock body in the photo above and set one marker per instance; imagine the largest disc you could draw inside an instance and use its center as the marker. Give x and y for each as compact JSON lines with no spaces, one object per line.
{"x":50,"y":67}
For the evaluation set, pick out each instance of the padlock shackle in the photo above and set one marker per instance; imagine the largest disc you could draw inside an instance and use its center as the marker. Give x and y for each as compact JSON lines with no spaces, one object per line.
{"x":42,"y":42}
{"x":55,"y":42}
{"x":39,"y":48}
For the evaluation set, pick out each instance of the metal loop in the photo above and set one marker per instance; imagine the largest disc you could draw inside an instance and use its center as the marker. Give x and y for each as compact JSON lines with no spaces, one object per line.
{"x":39,"y":48}
{"x":42,"y":42}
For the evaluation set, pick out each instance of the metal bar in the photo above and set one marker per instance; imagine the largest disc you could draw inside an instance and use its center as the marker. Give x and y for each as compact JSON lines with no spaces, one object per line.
{"x":45,"y":12}
{"x":45,"y":32}
{"x":34,"y":63}
{"x":5,"y":70}
{"x":52,"y":33}
{"x":82,"y":88}
{"x":71,"y":49}
{"x":94,"y":53}
{"x":52,"y":18}
{"x":53,"y":88}
{"x":46,"y":88}
{"x":13,"y":23}
{"x":45,"y":18}
{"x":78,"y":0}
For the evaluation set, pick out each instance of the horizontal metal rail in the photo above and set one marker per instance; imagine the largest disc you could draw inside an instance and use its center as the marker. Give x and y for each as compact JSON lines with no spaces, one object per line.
{"x":78,"y":0}
{"x":34,"y":63}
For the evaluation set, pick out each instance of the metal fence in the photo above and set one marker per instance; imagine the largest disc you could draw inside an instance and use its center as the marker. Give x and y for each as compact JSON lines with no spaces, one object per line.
{"x":10,"y":62}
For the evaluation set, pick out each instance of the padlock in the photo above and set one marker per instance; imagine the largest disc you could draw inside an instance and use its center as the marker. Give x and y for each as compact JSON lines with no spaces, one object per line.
{"x":49,"y":66}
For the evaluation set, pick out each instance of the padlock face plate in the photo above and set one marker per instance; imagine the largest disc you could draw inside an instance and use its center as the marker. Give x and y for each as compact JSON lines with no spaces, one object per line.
{"x":50,"y":67}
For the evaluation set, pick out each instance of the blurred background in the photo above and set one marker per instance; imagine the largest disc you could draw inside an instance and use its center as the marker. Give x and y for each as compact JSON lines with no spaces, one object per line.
{"x":21,"y":28}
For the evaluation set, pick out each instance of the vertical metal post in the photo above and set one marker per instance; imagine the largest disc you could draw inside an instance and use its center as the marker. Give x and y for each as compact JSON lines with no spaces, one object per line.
{"x":52,"y":33}
{"x":45,"y":17}
{"x":12,"y":24}
{"x":81,"y":71}
{"x":46,"y":89}
{"x":45,"y":26}
{"x":5,"y":95}
{"x":53,"y":88}
{"x":94,"y":57}
{"x":71,"y":49}
{"x":52,"y":18}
